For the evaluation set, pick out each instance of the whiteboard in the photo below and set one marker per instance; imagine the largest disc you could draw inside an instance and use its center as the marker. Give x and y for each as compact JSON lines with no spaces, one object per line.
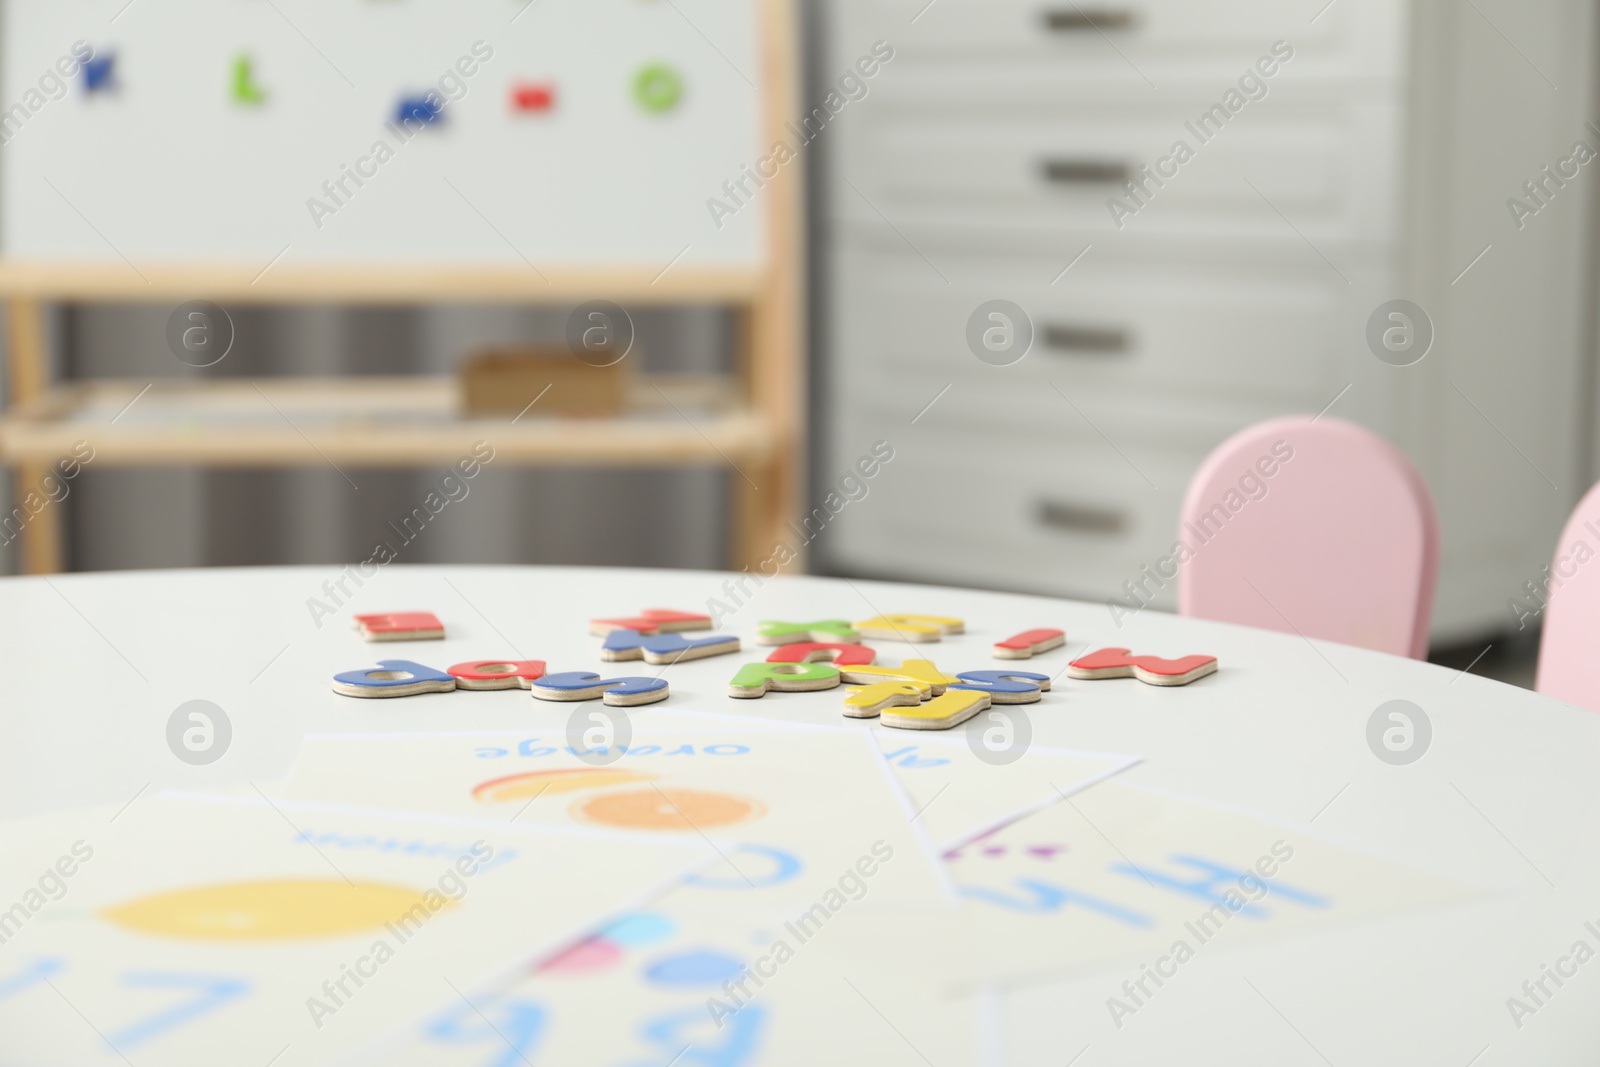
{"x":169,"y":168}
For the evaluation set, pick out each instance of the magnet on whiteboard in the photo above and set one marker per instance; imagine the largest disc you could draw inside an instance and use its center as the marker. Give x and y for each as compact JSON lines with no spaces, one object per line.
{"x":245,"y":89}
{"x":99,"y":73}
{"x":657,"y":88}
{"x":533,"y":96}
{"x":425,"y":110}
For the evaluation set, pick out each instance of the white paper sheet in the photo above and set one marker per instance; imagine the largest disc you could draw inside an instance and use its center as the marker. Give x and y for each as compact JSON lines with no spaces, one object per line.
{"x":205,"y":930}
{"x":1122,"y":871}
{"x":961,"y":796}
{"x":793,"y":812}
{"x":674,"y":984}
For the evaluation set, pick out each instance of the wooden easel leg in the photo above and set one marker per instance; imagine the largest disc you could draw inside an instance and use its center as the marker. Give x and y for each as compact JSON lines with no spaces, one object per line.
{"x":758,"y":520}
{"x":26,"y":377}
{"x":25,"y":351}
{"x":42,"y":538}
{"x":772,"y":328}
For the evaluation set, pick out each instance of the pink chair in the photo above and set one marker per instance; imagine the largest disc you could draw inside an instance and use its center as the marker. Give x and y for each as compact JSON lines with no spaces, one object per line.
{"x":1569,"y":667}
{"x":1314,"y":527}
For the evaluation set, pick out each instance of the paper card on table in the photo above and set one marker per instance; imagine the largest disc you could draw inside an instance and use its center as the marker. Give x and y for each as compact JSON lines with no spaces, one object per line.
{"x":1122,"y":870}
{"x":962,"y":795}
{"x":673,"y":984}
{"x":789,"y":809}
{"x":202,"y":929}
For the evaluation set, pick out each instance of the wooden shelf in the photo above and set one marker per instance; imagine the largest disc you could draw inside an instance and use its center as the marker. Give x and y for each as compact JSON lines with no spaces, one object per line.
{"x":377,"y":283}
{"x":374,"y":422}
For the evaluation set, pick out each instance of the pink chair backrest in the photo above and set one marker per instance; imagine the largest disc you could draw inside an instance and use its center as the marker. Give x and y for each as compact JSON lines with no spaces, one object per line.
{"x":1569,"y":667}
{"x":1314,"y":527}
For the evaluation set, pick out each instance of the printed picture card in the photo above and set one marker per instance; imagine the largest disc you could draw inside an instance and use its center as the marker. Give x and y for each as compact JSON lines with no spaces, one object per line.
{"x":197,"y":929}
{"x":674,"y":984}
{"x":962,"y":785}
{"x":1120,"y":870}
{"x":964,"y":790}
{"x":790,"y":812}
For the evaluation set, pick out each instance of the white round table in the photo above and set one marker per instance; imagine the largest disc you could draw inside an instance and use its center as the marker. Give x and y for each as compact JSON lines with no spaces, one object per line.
{"x":1506,"y":795}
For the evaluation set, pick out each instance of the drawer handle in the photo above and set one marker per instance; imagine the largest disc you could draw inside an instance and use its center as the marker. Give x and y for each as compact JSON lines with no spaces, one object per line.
{"x":1086,"y":340}
{"x":1078,"y":518}
{"x":1085,"y":172}
{"x":1077,"y":19}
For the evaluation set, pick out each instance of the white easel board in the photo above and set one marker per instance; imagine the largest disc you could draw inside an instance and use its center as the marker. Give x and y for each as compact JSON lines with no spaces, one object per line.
{"x":171,"y":166}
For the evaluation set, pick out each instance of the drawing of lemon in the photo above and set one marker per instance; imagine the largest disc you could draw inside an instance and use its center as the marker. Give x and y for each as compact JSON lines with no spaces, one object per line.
{"x":269,"y":911}
{"x":668,"y":809}
{"x":538,"y":783}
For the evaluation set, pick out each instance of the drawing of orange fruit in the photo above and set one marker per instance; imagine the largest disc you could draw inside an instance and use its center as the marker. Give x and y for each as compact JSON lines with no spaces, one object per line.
{"x":668,"y":809}
{"x":267,"y":910}
{"x":537,"y":783}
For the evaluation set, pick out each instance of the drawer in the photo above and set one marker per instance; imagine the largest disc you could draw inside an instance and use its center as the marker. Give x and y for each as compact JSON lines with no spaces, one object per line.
{"x":1145,"y":44}
{"x":1014,"y":511}
{"x":1137,"y":335}
{"x":1331,"y":170}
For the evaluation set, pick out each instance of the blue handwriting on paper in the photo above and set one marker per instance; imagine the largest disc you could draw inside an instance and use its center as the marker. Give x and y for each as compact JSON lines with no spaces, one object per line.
{"x":514,"y":1036}
{"x":533,"y":748}
{"x":907,"y":757}
{"x":1044,"y":898}
{"x":30,"y":976}
{"x":1219,"y":879}
{"x":681,"y":1038}
{"x":210,"y":993}
{"x":784,"y":866}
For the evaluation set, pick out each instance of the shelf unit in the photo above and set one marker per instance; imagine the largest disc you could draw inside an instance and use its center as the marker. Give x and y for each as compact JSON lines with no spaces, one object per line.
{"x":750,"y":423}
{"x":289,"y":422}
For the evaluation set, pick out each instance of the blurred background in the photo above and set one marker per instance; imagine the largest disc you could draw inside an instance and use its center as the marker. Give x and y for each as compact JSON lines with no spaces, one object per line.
{"x":1196,"y":216}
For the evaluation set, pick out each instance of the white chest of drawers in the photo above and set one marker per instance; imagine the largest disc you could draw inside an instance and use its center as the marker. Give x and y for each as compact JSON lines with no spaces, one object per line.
{"x":984,"y":163}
